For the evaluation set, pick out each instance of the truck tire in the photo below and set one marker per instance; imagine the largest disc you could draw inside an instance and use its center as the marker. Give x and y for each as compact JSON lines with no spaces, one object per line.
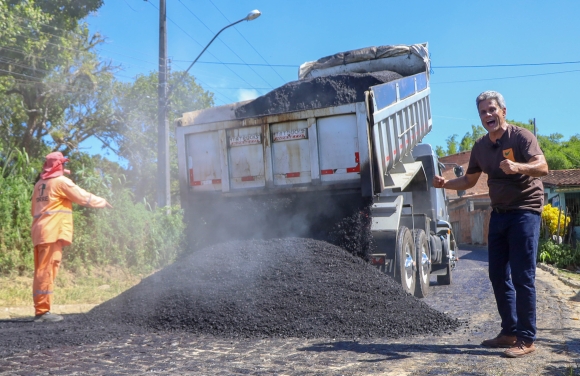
{"x":445,"y":279}
{"x":405,"y":260}
{"x":423,"y":263}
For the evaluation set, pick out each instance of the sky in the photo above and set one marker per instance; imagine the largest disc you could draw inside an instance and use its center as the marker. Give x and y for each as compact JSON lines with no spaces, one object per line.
{"x":527,"y":50}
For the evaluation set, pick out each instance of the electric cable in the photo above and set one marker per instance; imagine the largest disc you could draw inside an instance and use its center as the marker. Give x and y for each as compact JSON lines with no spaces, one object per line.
{"x":247,"y":41}
{"x":225,"y":44}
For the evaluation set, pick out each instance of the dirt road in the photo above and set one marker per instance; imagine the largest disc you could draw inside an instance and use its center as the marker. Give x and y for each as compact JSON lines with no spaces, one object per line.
{"x":469,"y":298}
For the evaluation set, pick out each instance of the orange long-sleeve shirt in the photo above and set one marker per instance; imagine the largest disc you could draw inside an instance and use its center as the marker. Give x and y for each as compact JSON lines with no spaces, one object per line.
{"x":52,"y":200}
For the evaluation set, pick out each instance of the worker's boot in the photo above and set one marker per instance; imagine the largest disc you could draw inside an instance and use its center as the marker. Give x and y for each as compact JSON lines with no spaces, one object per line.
{"x":48,"y":317}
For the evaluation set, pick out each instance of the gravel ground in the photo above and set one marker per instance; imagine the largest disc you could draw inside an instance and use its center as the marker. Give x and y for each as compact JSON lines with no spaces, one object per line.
{"x":469,"y":299}
{"x":279,"y":288}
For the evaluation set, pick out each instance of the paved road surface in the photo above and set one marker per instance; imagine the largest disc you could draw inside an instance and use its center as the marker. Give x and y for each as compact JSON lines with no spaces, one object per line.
{"x":458,"y":353}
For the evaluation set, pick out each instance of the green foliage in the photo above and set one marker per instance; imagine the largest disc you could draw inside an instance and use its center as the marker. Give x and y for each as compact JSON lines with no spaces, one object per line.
{"x":15,"y":218}
{"x":560,"y":255}
{"x":137,"y":138}
{"x":51,"y":81}
{"x":131,"y":234}
{"x":452,"y":144}
{"x":469,"y":139}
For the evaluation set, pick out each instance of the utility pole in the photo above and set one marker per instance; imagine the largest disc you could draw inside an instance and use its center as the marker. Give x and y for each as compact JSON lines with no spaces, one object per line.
{"x":535,"y":135}
{"x":163,"y":192}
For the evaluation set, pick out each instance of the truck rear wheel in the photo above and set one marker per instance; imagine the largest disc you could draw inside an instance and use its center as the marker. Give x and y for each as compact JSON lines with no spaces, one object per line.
{"x":423,"y":263}
{"x":405,"y":260}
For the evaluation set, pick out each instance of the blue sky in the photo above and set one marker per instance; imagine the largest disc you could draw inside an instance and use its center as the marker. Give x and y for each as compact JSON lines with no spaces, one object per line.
{"x":254,"y":57}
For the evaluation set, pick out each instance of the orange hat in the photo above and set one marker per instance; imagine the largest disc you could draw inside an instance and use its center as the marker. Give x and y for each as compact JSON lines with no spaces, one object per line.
{"x":54,"y":165}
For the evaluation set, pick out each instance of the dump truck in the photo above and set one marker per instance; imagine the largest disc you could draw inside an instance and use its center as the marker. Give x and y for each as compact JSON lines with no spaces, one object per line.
{"x":342,"y":141}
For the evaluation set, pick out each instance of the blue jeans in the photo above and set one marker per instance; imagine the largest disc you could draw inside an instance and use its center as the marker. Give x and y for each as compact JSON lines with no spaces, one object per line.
{"x":512,"y":244}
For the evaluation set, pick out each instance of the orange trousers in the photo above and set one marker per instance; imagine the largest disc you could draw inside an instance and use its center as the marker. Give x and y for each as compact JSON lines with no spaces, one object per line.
{"x":47,"y":259}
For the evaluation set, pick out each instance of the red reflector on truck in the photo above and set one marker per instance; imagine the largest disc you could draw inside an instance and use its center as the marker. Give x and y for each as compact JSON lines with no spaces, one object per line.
{"x":378,"y":260}
{"x":357,"y":167}
{"x":326,"y":172}
{"x":248,"y":178}
{"x":293,"y":175}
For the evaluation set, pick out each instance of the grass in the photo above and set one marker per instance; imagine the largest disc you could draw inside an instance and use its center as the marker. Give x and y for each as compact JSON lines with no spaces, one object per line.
{"x":93,"y":286}
{"x":572,"y":275}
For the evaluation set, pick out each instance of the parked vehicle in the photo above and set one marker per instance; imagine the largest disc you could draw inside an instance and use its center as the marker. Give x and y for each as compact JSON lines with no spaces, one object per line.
{"x":323,"y":151}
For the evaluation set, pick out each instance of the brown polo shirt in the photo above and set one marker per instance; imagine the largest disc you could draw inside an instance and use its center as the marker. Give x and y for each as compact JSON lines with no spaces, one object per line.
{"x":515,"y":191}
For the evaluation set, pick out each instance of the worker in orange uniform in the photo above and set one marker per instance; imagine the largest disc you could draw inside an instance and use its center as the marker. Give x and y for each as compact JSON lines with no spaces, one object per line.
{"x":52,"y":228}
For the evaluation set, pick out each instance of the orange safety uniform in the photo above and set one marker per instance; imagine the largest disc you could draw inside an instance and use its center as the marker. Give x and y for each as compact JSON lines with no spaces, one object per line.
{"x":52,"y":225}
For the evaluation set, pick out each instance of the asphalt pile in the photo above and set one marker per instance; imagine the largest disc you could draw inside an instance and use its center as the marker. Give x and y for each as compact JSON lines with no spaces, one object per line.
{"x":291,"y":287}
{"x":317,"y":92}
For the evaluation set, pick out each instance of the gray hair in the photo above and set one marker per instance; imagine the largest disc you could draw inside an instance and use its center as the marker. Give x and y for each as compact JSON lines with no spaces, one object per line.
{"x":490,"y":94}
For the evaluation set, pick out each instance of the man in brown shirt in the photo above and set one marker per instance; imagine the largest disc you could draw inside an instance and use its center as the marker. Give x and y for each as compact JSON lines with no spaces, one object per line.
{"x":514,"y":162}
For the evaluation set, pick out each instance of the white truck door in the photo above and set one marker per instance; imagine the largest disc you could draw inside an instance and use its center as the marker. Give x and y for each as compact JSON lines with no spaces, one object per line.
{"x":246,"y":158}
{"x":203,"y":161}
{"x":338,"y":148}
{"x":290,"y":153}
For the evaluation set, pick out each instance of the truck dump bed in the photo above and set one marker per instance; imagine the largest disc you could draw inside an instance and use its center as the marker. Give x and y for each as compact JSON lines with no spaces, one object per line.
{"x":329,"y":147}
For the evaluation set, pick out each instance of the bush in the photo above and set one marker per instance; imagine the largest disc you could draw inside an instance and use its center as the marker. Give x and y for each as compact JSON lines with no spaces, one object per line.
{"x":560,"y":255}
{"x":130,"y":235}
{"x":15,"y":218}
{"x":550,"y":218}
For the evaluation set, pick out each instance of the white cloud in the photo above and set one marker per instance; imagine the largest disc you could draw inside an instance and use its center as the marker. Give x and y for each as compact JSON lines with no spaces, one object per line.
{"x":245,"y":94}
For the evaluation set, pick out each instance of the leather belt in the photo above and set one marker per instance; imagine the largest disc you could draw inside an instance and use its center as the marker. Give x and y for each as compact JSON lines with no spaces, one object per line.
{"x":500,"y":210}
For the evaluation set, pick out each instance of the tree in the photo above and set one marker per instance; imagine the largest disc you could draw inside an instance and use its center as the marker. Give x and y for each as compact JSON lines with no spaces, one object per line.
{"x":440,"y":151}
{"x":477,"y":131}
{"x":50,"y":78}
{"x":451,"y":144}
{"x":137,"y":138}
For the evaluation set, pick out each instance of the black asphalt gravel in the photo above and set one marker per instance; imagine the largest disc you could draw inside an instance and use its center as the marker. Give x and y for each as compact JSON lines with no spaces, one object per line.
{"x":318,"y":92}
{"x":290,"y":287}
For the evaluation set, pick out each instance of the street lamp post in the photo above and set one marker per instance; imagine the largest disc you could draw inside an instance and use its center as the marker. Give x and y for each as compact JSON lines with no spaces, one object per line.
{"x":163,"y":186}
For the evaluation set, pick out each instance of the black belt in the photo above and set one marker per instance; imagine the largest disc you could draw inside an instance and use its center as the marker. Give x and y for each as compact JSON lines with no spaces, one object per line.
{"x":500,"y":210}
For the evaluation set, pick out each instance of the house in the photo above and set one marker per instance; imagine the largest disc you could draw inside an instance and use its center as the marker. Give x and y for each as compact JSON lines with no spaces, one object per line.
{"x":469,"y":211}
{"x":562,"y":190}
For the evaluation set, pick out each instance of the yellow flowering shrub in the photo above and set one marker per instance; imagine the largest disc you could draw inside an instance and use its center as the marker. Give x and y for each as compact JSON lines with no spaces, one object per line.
{"x":550,"y":219}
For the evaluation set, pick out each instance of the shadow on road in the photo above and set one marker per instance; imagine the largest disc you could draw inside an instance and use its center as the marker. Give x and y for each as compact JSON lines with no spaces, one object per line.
{"x":400,"y":351}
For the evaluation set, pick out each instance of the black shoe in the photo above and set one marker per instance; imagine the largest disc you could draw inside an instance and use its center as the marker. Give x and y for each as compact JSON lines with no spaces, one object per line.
{"x":48,"y":317}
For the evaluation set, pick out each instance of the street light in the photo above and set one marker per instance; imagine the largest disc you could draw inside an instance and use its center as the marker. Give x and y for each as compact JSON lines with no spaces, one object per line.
{"x":251,"y":16}
{"x":163,"y":186}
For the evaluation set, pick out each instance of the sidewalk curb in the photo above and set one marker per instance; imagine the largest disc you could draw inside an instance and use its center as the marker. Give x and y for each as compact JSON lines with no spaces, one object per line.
{"x":554,"y":271}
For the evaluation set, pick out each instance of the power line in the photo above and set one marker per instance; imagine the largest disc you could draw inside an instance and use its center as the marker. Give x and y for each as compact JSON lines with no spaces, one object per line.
{"x":192,"y":38}
{"x":247,"y":41}
{"x":503,"y":65}
{"x":505,"y":78}
{"x":225,"y":44}
{"x":253,"y":64}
